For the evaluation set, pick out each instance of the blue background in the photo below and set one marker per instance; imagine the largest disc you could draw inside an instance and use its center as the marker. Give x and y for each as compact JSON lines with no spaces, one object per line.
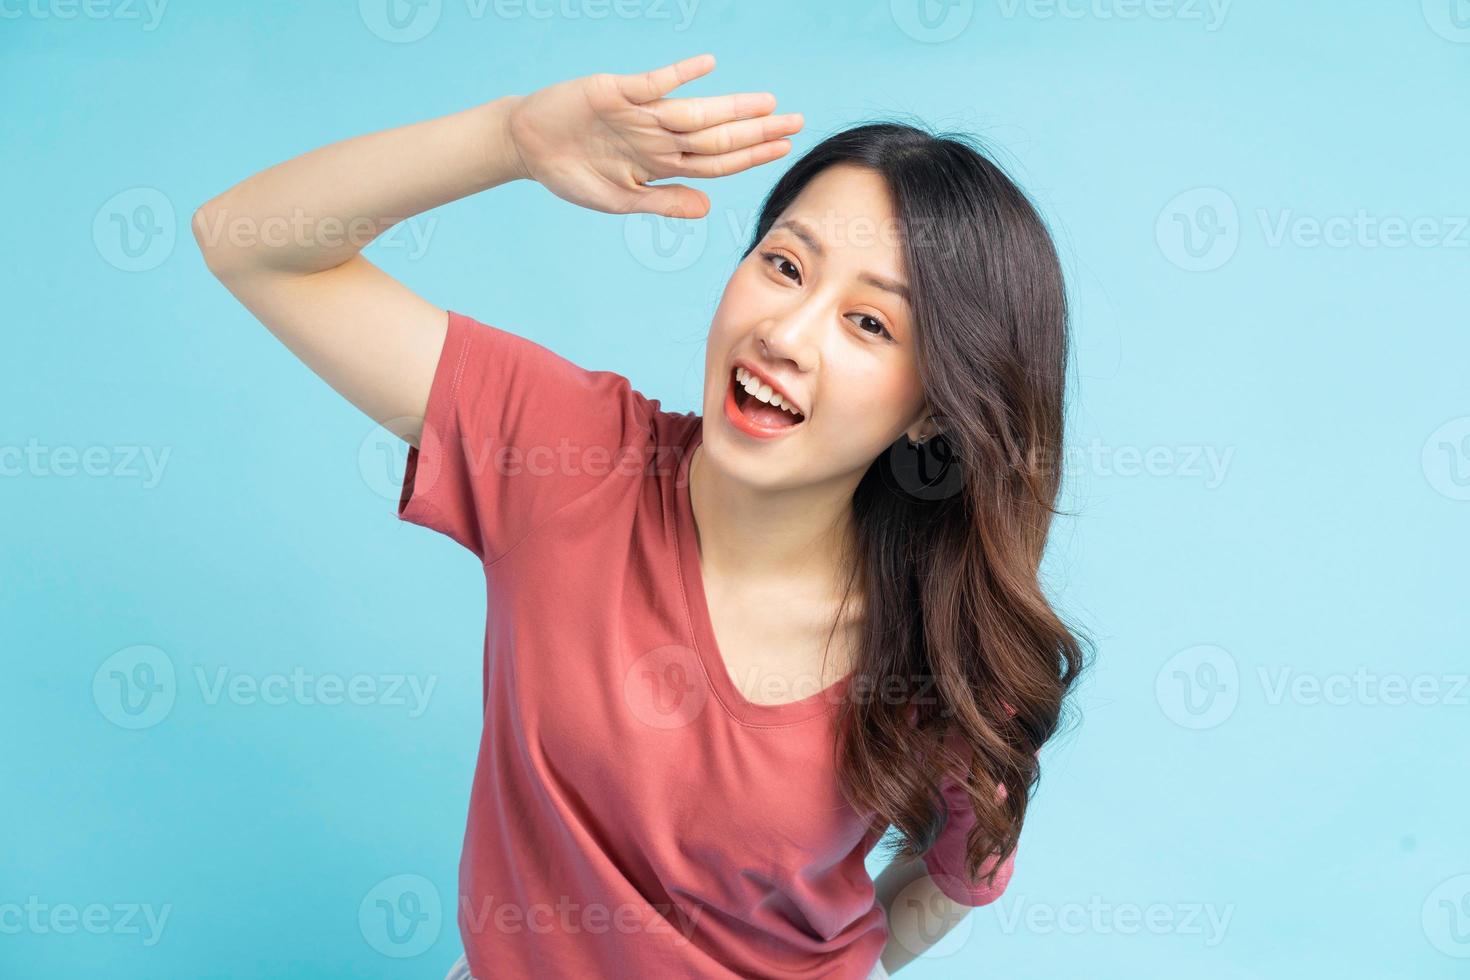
{"x":1181,"y":153}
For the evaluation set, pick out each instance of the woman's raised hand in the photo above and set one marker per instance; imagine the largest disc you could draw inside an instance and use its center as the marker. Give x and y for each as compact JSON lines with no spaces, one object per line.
{"x":598,"y":140}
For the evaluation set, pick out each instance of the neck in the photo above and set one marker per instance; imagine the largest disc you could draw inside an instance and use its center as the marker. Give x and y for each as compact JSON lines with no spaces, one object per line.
{"x":792,"y":539}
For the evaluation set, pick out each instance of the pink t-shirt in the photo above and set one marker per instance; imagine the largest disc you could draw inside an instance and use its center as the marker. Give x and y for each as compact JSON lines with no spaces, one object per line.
{"x":632,"y":813}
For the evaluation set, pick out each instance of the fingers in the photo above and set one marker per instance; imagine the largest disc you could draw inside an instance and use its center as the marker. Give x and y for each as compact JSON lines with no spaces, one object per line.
{"x":673,"y":201}
{"x":723,"y":164}
{"x":739,"y":135}
{"x":650,"y":85}
{"x":690,"y":115}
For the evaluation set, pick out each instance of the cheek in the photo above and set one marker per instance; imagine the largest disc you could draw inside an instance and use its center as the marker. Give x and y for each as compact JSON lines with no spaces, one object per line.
{"x":870,"y":409}
{"x":732,"y":311}
{"x":740,"y":304}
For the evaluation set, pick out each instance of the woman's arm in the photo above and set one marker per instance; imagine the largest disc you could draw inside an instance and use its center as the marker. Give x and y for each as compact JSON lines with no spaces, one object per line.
{"x":919,"y":914}
{"x":326,"y":205}
{"x":287,"y":241}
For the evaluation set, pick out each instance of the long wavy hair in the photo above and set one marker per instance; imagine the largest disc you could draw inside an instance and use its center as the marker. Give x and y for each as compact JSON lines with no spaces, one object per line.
{"x":962,"y":664}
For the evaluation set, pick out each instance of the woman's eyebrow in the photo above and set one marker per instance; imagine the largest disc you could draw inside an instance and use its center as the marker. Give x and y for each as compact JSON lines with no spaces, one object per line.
{"x":801,"y":231}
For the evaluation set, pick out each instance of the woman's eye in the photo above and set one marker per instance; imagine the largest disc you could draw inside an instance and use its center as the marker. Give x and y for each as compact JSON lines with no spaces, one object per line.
{"x":874,"y":320}
{"x":779,"y":258}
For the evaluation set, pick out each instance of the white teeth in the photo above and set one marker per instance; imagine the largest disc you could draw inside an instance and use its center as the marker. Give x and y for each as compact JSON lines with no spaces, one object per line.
{"x":763,"y":391}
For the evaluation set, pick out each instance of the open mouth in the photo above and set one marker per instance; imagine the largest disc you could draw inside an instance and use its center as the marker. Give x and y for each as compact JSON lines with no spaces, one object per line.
{"x":762,"y":414}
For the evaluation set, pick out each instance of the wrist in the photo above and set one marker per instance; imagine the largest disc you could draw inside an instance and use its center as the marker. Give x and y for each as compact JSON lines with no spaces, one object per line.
{"x":501,"y":155}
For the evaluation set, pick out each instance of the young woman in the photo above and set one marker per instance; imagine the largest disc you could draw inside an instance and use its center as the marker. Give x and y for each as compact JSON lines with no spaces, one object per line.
{"x":726,"y":653}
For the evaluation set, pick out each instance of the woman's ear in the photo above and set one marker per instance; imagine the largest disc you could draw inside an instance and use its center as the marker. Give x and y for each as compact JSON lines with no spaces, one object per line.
{"x":924,"y":429}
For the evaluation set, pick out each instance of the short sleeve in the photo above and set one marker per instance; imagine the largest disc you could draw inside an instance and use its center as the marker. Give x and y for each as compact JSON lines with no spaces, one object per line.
{"x":512,"y":433}
{"x":945,"y":860}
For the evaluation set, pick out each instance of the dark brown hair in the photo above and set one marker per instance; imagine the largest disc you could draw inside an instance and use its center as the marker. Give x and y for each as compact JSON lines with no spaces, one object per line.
{"x":962,"y":664}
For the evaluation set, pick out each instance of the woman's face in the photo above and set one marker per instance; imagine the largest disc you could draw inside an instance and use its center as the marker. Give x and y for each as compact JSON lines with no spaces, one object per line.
{"x":825,"y":291}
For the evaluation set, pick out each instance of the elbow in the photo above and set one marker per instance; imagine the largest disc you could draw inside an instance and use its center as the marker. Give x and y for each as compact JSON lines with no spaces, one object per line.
{"x":208,"y":225}
{"x":202,"y":223}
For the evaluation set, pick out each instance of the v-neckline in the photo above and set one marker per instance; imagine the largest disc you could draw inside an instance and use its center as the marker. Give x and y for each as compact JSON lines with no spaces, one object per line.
{"x":701,"y":624}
